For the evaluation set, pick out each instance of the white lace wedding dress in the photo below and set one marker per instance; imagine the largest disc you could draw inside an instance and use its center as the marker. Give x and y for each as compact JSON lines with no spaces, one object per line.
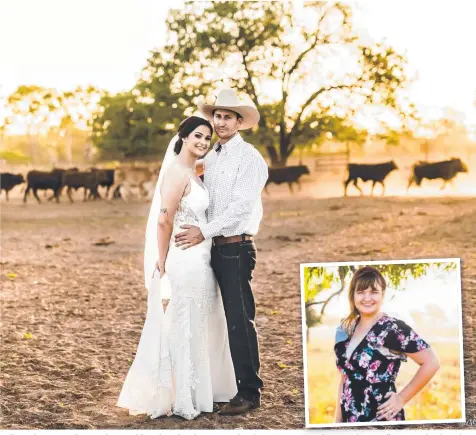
{"x":183,"y":362}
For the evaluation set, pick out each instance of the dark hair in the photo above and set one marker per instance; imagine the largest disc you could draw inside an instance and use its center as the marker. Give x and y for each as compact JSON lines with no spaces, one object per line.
{"x":363,"y":278}
{"x":229,"y":110}
{"x":186,"y":127}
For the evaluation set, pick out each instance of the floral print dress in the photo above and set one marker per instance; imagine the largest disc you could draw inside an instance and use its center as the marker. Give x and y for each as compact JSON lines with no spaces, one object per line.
{"x":372,"y":368}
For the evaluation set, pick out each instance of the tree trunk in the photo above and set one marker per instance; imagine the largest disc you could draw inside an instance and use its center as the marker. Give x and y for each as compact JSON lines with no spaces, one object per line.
{"x":283,"y":161}
{"x":273,"y":155}
{"x":53,"y":153}
{"x":69,"y":147}
{"x":279,"y":160}
{"x":425,"y":149}
{"x":88,"y":151}
{"x":33,"y":148}
{"x":284,"y":150}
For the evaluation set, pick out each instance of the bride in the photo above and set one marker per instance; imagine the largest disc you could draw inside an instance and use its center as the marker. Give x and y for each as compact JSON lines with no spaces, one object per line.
{"x":183,"y":362}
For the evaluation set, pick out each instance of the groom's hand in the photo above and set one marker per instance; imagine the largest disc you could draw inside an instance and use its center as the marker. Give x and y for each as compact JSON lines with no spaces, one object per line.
{"x":191,"y":237}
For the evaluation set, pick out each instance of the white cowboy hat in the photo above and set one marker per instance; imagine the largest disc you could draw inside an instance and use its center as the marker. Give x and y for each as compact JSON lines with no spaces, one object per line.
{"x":228,"y":100}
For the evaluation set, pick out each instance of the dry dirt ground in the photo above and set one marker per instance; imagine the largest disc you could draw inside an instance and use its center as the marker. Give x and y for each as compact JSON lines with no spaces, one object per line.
{"x":72,"y":311}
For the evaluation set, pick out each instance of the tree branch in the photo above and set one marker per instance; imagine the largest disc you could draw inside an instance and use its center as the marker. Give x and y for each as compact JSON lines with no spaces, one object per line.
{"x":244,"y":54}
{"x":291,"y":149}
{"x":342,"y":273}
{"x":297,"y":123}
{"x":251,"y":85}
{"x":312,"y":46}
{"x":324,"y":303}
{"x":309,"y":304}
{"x":333,"y":295}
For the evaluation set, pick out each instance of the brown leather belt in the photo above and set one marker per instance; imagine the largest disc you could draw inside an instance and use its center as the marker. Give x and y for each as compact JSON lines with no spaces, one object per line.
{"x":222,"y":240}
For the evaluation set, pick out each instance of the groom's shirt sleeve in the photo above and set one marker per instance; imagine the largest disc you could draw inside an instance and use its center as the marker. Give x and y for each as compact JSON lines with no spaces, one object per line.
{"x":246,"y":192}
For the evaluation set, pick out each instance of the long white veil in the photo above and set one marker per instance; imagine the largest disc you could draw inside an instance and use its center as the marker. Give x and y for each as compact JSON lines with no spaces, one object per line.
{"x":148,"y":385}
{"x":151,"y":249}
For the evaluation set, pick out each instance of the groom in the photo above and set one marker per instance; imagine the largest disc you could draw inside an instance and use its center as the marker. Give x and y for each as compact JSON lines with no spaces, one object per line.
{"x":235,"y":175}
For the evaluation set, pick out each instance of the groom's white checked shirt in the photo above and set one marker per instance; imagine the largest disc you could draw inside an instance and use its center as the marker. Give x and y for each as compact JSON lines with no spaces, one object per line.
{"x":235,"y":178}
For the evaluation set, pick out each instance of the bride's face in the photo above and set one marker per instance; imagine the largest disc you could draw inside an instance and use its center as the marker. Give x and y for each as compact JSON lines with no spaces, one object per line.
{"x":198,"y":141}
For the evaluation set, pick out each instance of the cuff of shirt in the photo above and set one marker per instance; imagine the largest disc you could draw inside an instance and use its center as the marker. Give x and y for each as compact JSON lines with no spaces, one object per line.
{"x":207,"y":230}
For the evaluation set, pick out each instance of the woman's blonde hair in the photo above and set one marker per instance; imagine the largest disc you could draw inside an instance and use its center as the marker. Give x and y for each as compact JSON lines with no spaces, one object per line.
{"x":363,"y":278}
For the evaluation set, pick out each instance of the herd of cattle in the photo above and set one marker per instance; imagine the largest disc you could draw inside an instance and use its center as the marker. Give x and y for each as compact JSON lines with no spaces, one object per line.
{"x":377,"y":173}
{"x":120,"y":182}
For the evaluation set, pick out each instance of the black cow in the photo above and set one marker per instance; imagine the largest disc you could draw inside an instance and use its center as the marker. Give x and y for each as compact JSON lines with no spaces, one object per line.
{"x":446,"y":170}
{"x":8,"y":181}
{"x":369,"y":172}
{"x":88,"y":180}
{"x":45,"y":194}
{"x":40,"y":180}
{"x":289,"y":174}
{"x":105,"y":179}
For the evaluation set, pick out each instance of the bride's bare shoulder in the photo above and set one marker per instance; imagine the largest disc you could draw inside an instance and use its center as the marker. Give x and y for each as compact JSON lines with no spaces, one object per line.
{"x":175,"y":174}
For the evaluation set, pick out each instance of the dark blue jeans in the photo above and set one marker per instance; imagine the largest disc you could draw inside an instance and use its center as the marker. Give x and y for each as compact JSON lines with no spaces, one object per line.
{"x":233,"y":265}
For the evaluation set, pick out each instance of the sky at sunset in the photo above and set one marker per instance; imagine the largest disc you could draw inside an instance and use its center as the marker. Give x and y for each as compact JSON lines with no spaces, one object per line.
{"x":62,"y":44}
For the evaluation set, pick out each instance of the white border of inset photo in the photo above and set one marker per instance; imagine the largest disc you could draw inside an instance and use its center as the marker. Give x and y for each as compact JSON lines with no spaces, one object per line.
{"x":304,"y":334}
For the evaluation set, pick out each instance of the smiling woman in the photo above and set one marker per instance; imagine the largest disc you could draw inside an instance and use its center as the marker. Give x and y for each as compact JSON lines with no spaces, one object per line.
{"x":183,"y":362}
{"x":370,"y":347}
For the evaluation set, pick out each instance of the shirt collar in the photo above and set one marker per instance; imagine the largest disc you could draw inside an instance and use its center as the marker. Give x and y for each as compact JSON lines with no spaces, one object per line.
{"x":230,"y":144}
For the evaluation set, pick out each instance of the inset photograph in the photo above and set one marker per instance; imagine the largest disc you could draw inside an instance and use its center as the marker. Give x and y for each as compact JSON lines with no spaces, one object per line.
{"x":383,"y":342}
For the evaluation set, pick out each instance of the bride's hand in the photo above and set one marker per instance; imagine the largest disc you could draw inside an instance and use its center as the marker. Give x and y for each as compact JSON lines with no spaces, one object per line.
{"x":161,"y":269}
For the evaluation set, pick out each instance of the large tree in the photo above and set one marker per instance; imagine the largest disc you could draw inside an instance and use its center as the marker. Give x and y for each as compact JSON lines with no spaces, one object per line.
{"x":140,"y":122}
{"x":52,"y":115}
{"x":29,"y":107}
{"x":296,"y":70}
{"x":76,"y":109}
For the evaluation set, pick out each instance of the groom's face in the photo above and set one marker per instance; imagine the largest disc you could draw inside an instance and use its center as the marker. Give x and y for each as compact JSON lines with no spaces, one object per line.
{"x":226,"y":123}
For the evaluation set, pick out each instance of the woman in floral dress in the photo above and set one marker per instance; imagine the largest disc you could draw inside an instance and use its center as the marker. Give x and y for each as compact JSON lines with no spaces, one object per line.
{"x":370,"y":347}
